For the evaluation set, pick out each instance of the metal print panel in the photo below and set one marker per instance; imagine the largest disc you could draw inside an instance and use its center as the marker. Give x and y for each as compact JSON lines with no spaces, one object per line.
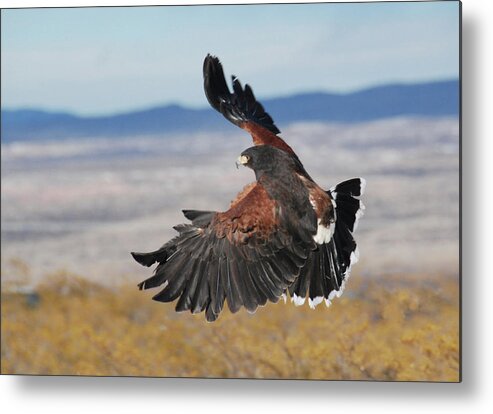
{"x":239,"y":191}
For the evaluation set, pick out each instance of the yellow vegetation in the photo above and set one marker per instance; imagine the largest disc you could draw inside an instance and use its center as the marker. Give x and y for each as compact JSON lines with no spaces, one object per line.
{"x":401,"y":328}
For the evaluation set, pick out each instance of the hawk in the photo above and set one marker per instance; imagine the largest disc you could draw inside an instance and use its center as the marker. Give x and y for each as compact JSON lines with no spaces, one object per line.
{"x":283,"y":234}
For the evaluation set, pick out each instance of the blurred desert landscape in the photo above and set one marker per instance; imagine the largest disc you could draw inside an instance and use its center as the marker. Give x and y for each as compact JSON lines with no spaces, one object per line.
{"x":73,"y":210}
{"x":83,"y":205}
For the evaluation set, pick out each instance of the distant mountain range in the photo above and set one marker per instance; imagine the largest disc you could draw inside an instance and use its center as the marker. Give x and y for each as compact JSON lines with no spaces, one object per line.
{"x":423,"y":99}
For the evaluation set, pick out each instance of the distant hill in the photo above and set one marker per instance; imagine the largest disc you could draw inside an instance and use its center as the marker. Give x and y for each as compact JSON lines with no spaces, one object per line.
{"x":424,"y":99}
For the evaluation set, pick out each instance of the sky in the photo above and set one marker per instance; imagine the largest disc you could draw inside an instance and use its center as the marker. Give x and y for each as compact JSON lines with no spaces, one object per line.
{"x":95,"y":61}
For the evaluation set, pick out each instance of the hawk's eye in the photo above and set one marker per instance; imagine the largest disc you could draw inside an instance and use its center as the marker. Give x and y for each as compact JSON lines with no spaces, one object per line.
{"x":244,"y":159}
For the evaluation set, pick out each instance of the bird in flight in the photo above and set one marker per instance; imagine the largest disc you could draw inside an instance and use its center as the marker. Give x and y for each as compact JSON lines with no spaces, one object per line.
{"x":283,"y":234}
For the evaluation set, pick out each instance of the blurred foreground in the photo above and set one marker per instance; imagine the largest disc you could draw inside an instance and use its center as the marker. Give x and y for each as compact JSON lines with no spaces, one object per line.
{"x":388,"y":328}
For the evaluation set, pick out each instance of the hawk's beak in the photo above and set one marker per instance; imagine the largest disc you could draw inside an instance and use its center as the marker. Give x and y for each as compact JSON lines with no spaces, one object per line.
{"x":242,"y":159}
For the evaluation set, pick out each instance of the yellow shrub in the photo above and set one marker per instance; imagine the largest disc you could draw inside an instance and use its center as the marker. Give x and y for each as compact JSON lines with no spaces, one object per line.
{"x":399,"y":328}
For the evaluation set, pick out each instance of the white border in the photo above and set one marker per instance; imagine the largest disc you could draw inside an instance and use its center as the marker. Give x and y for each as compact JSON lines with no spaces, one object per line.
{"x":121,"y":395}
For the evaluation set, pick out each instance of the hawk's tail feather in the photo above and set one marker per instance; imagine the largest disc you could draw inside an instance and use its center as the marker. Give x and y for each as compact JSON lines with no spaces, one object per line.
{"x":354,"y":187}
{"x":325,"y":273}
{"x":348,"y":208}
{"x":329,"y":266}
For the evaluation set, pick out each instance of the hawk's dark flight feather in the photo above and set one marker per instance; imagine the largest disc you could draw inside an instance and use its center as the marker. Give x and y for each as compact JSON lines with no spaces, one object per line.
{"x":240,"y":106}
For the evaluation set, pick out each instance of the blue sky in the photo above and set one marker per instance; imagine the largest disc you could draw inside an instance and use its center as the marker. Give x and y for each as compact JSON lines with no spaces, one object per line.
{"x":105,"y":60}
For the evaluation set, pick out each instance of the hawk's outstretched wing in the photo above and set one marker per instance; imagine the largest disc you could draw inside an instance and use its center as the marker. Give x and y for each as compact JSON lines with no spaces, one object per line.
{"x":244,"y":255}
{"x":240,"y":107}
